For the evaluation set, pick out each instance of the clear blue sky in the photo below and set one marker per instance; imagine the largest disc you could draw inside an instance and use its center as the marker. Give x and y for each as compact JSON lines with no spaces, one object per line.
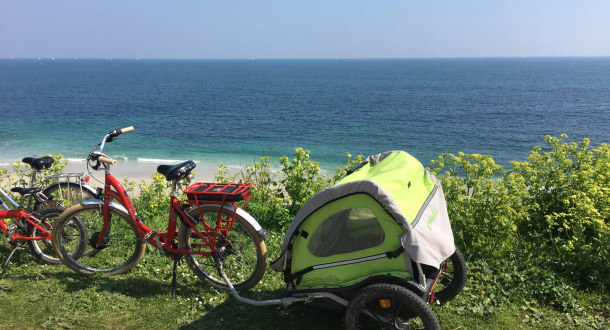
{"x":303,"y":29}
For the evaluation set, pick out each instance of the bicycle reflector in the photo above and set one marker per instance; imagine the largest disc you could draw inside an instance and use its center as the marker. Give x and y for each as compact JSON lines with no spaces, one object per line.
{"x":385,"y":303}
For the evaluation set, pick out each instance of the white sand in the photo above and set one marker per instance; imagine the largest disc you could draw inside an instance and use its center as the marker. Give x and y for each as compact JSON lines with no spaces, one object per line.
{"x":133,"y":170}
{"x":137,"y":170}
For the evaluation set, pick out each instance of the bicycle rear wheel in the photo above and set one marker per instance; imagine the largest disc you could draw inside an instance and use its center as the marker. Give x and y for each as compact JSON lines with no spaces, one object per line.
{"x":243,"y":252}
{"x":67,"y":194}
{"x":120,"y":249}
{"x":43,"y":249}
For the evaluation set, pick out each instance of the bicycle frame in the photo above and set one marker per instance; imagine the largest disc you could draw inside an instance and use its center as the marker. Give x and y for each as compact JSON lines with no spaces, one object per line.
{"x":113,"y":190}
{"x":18,"y":214}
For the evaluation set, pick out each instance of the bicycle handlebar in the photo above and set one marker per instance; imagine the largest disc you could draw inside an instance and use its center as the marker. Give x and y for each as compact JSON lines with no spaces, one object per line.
{"x":97,"y":154}
{"x":106,"y":160}
{"x":126,"y":129}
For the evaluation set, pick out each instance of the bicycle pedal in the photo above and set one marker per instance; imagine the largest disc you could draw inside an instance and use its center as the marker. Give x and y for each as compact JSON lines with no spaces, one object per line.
{"x":150,"y":236}
{"x":12,"y":229}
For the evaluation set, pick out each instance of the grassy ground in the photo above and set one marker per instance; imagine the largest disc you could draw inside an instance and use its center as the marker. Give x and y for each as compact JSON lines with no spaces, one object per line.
{"x":33,"y":295}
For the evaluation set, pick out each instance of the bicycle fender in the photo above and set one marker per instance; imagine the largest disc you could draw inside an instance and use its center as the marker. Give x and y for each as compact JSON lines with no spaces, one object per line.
{"x":84,"y":186}
{"x":246,"y":216}
{"x":101,"y":204}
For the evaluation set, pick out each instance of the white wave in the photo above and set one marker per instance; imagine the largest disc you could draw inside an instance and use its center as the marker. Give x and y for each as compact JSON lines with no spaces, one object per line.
{"x":75,"y":160}
{"x":159,"y":161}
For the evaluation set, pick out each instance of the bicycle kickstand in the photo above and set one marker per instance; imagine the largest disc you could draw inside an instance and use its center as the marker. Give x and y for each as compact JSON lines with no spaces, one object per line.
{"x":17,"y":246}
{"x":176,"y":261}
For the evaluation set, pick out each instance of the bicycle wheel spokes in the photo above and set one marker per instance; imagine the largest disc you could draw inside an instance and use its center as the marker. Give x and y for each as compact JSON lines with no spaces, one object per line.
{"x":41,"y":248}
{"x":66,"y":194}
{"x":242,"y":251}
{"x":113,"y":251}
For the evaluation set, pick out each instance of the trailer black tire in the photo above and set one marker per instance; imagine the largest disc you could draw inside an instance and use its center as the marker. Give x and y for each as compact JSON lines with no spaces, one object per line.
{"x":453,"y":277}
{"x":389,"y":306}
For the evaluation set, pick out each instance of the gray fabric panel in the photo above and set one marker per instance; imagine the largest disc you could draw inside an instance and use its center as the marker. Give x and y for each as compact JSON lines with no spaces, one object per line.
{"x":431,"y":240}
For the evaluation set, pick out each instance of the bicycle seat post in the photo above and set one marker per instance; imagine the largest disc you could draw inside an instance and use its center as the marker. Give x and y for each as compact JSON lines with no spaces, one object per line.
{"x":33,"y":178}
{"x":176,"y":185}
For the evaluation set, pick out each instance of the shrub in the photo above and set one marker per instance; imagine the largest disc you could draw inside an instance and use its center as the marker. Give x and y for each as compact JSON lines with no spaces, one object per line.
{"x":301,"y":179}
{"x":568,"y":208}
{"x":483,"y":209}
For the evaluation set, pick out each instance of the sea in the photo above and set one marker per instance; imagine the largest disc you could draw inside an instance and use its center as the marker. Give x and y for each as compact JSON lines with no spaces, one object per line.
{"x":233,"y":112}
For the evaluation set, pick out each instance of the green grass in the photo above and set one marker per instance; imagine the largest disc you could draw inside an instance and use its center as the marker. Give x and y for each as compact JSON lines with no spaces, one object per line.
{"x":41,"y":296}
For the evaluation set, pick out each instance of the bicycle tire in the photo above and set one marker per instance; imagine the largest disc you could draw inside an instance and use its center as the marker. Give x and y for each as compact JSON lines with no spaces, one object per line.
{"x":389,"y":306}
{"x":121,"y":249}
{"x":43,"y":249}
{"x":67,"y":194}
{"x":452,"y":279}
{"x":246,"y":257}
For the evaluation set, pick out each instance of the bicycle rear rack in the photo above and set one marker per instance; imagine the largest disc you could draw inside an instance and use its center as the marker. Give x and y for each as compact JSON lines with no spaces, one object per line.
{"x":220,"y":193}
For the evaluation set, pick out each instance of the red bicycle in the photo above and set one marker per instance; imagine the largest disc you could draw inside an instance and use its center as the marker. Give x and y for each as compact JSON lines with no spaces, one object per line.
{"x":32,"y":219}
{"x":206,"y":226}
{"x":21,"y":226}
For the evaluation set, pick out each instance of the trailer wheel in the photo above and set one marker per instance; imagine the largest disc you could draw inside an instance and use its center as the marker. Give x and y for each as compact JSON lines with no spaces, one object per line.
{"x":389,"y":306}
{"x":452,"y":278}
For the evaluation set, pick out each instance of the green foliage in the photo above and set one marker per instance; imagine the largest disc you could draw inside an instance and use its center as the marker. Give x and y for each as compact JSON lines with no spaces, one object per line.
{"x":302,"y":179}
{"x":483,"y":208}
{"x":568,"y":207}
{"x":536,"y":232}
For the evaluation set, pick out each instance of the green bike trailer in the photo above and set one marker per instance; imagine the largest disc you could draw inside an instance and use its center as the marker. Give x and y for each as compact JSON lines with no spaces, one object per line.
{"x":375,"y":244}
{"x":387,"y":221}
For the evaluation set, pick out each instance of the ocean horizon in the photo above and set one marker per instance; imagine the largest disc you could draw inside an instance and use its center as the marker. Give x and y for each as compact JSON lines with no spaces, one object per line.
{"x":235,"y":111}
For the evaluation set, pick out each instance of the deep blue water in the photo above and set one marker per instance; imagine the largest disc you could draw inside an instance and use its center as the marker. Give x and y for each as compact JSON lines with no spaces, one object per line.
{"x":234,"y":111}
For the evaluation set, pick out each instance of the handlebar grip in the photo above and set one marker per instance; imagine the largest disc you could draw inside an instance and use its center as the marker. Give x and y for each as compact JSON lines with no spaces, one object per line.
{"x":106,"y":160}
{"x":126,"y":129}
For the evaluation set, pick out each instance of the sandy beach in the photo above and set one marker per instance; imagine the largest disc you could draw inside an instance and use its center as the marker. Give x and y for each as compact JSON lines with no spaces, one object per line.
{"x":137,"y":170}
{"x":133,"y":170}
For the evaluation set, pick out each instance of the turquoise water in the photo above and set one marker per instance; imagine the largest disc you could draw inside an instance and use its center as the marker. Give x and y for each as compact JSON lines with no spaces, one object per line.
{"x":234,"y":111}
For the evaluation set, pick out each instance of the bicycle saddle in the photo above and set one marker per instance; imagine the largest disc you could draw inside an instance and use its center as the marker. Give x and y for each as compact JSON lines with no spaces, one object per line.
{"x":25,"y":191}
{"x":178,"y":171}
{"x":39,"y":163}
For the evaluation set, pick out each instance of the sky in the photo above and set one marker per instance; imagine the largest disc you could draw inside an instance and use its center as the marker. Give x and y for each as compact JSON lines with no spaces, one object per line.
{"x":303,"y":29}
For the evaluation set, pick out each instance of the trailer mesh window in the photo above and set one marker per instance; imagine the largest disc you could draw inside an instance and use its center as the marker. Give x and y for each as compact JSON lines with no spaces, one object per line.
{"x":346,"y":231}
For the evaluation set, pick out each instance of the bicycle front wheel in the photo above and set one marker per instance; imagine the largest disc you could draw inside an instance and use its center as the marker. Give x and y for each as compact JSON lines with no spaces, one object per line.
{"x":67,"y":194}
{"x":243,"y":251}
{"x":43,"y":249}
{"x":119,"y":249}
